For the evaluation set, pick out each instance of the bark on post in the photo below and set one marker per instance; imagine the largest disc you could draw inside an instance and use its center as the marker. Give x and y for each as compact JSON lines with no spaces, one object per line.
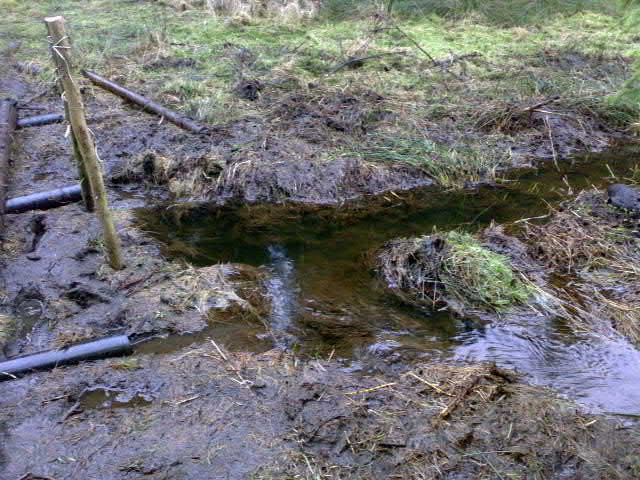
{"x":85,"y":145}
{"x":8,"y":118}
{"x":61,"y":52}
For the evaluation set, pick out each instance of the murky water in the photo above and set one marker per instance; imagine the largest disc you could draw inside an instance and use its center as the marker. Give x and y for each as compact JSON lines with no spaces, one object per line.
{"x":325,"y":297}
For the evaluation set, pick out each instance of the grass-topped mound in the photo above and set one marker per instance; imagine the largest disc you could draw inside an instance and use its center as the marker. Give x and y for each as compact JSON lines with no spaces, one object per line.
{"x":452,"y":269}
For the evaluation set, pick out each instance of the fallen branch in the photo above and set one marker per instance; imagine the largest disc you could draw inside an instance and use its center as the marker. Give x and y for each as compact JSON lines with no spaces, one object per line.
{"x":8,"y":116}
{"x":44,"y":200}
{"x":145,"y":103}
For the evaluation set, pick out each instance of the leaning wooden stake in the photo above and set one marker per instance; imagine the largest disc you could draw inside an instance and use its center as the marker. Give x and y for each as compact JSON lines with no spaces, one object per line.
{"x":61,"y":51}
{"x":145,"y":103}
{"x":8,"y":118}
{"x":85,"y":145}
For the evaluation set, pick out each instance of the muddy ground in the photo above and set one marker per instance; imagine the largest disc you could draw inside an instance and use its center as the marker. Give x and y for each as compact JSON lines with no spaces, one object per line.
{"x":202,"y":411}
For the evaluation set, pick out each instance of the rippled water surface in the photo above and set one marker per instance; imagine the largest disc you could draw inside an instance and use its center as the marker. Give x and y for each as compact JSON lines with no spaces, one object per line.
{"x":325,"y":298}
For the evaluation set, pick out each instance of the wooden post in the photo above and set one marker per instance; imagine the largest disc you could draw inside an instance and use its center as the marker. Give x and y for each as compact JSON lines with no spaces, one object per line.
{"x":8,"y":116}
{"x":84,"y":142}
{"x":61,"y":50}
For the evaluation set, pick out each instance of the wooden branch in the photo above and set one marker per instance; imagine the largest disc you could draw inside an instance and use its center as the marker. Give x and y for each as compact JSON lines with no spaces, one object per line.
{"x":145,"y":103}
{"x":85,"y":145}
{"x":8,"y":116}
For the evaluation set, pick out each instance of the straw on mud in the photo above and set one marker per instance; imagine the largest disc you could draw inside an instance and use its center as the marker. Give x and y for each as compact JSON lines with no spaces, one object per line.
{"x":372,"y":389}
{"x":429,"y":384}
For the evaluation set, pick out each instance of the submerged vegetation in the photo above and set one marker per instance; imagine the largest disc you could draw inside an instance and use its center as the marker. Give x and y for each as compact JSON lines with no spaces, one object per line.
{"x":578,"y":263}
{"x":473,"y":273}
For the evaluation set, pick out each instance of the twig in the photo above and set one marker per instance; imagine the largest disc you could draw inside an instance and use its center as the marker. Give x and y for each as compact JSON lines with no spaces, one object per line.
{"x":531,"y":218}
{"x":296,"y":48}
{"x":32,"y":98}
{"x":429,"y":384}
{"x":553,"y":147}
{"x":224,"y":357}
{"x":372,"y":389}
{"x":446,"y":62}
{"x":446,"y":411}
{"x":362,"y":59}
{"x":32,"y":476}
{"x":541,"y":104}
{"x":186,"y":400}
{"x":415,"y":42}
{"x":74,"y":409}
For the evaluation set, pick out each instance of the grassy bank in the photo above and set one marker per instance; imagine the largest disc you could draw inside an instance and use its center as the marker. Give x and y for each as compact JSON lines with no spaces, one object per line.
{"x":449,"y":87}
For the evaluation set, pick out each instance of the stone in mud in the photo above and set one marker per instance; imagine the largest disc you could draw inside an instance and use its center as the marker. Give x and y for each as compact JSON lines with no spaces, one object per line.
{"x":624,"y":196}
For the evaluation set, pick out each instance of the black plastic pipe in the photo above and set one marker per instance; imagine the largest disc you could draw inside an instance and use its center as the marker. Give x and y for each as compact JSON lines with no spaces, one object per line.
{"x":40,"y":120}
{"x":44,"y":200}
{"x":105,"y":347}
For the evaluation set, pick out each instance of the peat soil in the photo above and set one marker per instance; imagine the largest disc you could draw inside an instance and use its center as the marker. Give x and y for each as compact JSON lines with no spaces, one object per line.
{"x":203,"y":411}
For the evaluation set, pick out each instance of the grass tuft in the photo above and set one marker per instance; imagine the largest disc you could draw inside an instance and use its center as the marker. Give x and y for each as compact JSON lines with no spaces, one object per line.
{"x":454,"y":269}
{"x":450,"y":166}
{"x":476,"y":275}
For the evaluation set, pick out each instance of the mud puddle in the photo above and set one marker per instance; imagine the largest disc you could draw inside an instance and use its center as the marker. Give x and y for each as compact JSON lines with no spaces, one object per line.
{"x":326,"y":298}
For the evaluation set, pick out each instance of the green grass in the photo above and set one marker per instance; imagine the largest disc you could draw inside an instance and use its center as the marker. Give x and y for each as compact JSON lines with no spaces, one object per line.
{"x":448,"y":165}
{"x":453,"y":269}
{"x":477,"y":276}
{"x":572,"y":49}
{"x":496,"y":12}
